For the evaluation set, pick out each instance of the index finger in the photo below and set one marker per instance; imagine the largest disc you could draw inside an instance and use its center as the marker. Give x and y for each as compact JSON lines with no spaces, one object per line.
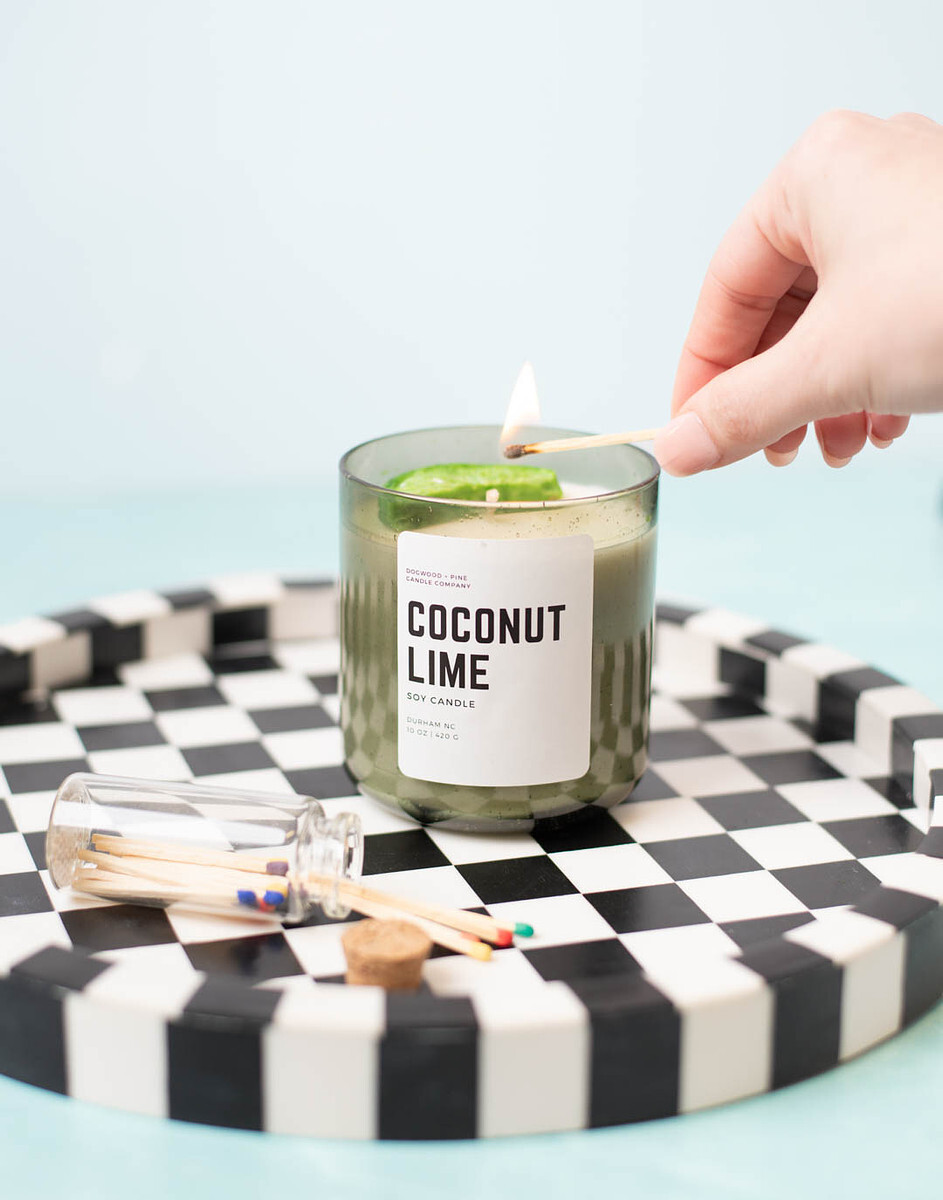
{"x":754,"y":266}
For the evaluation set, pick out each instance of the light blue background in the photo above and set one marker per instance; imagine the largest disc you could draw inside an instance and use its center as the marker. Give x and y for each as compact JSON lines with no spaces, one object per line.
{"x":236,"y":238}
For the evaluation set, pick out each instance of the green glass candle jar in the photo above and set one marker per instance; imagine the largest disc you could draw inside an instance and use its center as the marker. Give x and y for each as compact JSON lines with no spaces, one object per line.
{"x":496,"y":655}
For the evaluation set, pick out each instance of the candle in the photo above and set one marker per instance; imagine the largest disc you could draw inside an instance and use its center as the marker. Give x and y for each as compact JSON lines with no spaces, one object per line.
{"x":495,"y":655}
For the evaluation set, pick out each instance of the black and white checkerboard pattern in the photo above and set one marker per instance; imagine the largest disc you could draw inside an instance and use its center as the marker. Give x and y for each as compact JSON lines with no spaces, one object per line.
{"x":767,"y":904}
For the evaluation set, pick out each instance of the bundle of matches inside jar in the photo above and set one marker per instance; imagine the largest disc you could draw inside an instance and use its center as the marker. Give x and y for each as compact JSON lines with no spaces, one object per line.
{"x":234,"y":852}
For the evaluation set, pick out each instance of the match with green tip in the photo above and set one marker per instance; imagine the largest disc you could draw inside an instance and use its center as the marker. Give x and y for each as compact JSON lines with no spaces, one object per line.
{"x":523,"y":930}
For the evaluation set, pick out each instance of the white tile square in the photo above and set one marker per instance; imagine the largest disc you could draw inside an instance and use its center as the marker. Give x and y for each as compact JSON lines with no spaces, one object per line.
{"x":332,"y":706}
{"x":661,"y":820}
{"x":556,"y":920}
{"x":298,"y":748}
{"x":375,"y":817}
{"x":30,"y":810}
{"x":916,"y":873}
{"x":796,"y":845}
{"x":144,"y":762}
{"x":44,"y":742}
{"x":850,"y":759}
{"x":127,"y":608}
{"x":58,"y":663}
{"x":725,"y":627}
{"x":164,"y":962}
{"x":609,"y":868}
{"x":191,"y":926}
{"x":176,"y":671}
{"x":184,"y":632}
{"x":757,"y":735}
{"x":680,"y":947}
{"x":741,"y":897}
{"x":318,"y":948}
{"x":14,"y":858}
{"x":101,"y":706}
{"x":481,"y":847}
{"x":23,"y":935}
{"x":683,"y":658}
{"x":266,"y":689}
{"x":212,"y":726}
{"x":507,"y":973}
{"x":835,"y":799}
{"x":669,"y":714}
{"x":304,"y":613}
{"x":713,"y":775}
{"x":264,"y":779}
{"x":321,"y":657}
{"x":30,"y":632}
{"x":248,"y":589}
{"x":436,"y":885}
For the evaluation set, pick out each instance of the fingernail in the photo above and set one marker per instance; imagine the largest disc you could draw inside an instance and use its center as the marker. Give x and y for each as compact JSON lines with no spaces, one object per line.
{"x":835,"y":462}
{"x":780,"y":458}
{"x":685,"y":447}
{"x":881,"y":443}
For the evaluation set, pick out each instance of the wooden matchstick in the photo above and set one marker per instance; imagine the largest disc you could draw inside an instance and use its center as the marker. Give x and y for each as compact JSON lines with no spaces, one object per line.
{"x":464,"y":943}
{"x":593,"y":442}
{"x":183,"y":873}
{"x":172,"y":853}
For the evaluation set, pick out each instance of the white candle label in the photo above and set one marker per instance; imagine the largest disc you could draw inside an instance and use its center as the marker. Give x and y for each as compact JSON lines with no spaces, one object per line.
{"x":494,"y":658}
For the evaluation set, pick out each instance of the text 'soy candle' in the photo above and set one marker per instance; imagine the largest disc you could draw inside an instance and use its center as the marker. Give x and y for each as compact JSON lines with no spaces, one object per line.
{"x":496,"y":656}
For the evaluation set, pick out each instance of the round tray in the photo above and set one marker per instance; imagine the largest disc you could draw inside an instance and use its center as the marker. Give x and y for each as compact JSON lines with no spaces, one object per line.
{"x":767,"y":904}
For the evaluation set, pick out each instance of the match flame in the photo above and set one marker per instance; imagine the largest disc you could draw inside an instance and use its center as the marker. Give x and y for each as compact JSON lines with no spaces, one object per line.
{"x":523,"y":407}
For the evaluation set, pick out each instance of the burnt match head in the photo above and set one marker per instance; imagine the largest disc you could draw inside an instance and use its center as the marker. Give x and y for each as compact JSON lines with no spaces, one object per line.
{"x":515,"y":451}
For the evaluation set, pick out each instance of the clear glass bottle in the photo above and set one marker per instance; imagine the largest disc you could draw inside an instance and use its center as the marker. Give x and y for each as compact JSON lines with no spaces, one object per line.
{"x":188,"y":844}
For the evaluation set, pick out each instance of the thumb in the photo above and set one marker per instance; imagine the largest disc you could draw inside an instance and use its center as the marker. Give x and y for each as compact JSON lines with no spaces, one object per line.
{"x":747,"y":407}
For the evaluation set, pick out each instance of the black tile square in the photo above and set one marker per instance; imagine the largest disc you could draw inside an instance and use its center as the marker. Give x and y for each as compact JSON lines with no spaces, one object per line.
{"x":190,"y":598}
{"x":224,"y":998}
{"x":112,"y":645}
{"x":721,"y":708}
{"x":23,"y":893}
{"x":326,"y":684}
{"x":674,"y":614}
{"x":897,"y":908}
{"x":17,"y":711}
{"x":890,"y":789}
{"x":824,"y":885}
{"x":583,"y":960}
{"x":240,"y":625}
{"x":697,"y":857}
{"x":41,"y":776}
{"x":598,"y":829}
{"x":234,"y":664}
{"x":7,"y":824}
{"x":284,"y":720}
{"x":254,"y":958}
{"x":172,"y":699}
{"x":743,"y":672}
{"x":516,"y":879}
{"x":79,"y":620}
{"x":410,"y":850}
{"x":121,"y":737}
{"x":118,"y":927}
{"x":762,"y":929}
{"x":868,"y":837}
{"x":661,"y":906}
{"x":36,"y":844}
{"x":14,"y":671}
{"x":233,"y":756}
{"x":61,"y":967}
{"x":751,"y":810}
{"x":790,"y":766}
{"x":838,"y":697}
{"x":933,"y":843}
{"x":774,"y":641}
{"x":323,"y":783}
{"x":651,"y":787}
{"x":671,"y":744}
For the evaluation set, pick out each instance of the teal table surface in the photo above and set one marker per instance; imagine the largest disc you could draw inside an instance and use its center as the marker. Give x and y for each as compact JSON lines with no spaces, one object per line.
{"x":854,"y":558}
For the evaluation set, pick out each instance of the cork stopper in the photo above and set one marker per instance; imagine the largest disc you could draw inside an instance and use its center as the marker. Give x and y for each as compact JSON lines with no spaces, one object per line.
{"x":387,"y":954}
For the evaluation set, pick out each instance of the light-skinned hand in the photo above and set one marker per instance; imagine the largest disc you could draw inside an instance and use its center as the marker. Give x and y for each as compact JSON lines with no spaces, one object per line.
{"x":822,"y":305}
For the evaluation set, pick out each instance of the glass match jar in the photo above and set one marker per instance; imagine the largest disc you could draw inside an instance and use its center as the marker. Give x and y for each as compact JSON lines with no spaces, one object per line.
{"x":219,"y":849}
{"x":496,"y":655}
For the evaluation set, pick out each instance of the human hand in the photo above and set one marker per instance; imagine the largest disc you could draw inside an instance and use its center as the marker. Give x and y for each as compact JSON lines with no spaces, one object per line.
{"x":823,"y":303}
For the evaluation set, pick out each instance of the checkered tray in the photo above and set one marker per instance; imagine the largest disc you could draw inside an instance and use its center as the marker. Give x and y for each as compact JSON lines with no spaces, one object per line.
{"x":767,"y":904}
